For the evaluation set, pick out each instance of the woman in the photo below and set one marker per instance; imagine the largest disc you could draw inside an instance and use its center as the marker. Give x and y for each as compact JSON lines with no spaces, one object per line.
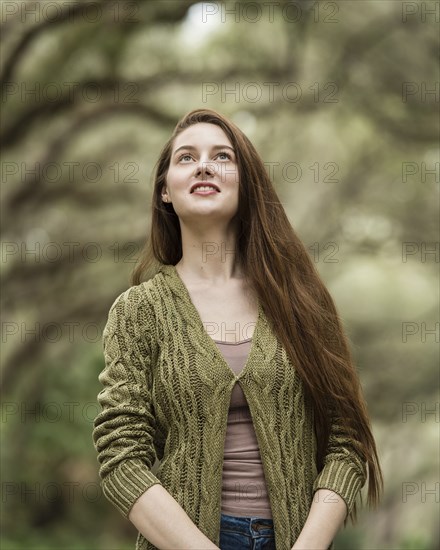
{"x":230,"y":366}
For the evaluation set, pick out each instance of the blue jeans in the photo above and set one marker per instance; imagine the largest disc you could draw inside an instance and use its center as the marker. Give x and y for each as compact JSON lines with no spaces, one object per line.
{"x":252,"y":533}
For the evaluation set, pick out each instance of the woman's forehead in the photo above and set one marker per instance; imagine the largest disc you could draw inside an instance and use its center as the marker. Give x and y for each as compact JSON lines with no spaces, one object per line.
{"x":202,"y":133}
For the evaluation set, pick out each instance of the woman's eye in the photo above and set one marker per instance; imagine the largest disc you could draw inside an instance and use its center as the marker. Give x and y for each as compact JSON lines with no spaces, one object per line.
{"x":223,"y":155}
{"x":227,"y":155}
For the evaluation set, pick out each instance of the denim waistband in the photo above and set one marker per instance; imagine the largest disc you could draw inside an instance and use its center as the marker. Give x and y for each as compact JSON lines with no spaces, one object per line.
{"x":246,"y":525}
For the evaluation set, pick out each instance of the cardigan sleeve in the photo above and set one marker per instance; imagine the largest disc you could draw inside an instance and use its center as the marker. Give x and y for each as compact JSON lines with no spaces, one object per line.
{"x":123,"y":432}
{"x":344,"y":470}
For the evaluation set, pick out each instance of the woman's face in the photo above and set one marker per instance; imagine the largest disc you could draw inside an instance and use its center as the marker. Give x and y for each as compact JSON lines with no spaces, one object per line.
{"x":202,"y":154}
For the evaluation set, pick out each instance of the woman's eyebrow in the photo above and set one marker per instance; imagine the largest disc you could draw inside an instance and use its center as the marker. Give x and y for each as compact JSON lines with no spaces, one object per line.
{"x":192,"y":148}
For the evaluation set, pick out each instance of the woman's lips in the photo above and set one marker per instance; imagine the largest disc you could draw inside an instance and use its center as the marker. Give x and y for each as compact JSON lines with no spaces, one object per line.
{"x":206,"y":192}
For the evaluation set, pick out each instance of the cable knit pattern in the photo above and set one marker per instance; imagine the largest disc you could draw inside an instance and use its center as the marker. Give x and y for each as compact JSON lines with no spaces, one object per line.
{"x":166,"y":394}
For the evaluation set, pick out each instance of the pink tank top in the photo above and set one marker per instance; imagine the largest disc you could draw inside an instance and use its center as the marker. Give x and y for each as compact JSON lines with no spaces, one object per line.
{"x":244,"y":491}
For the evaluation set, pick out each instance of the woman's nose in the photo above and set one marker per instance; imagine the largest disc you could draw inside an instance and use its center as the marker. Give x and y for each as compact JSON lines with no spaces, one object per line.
{"x":205,"y":167}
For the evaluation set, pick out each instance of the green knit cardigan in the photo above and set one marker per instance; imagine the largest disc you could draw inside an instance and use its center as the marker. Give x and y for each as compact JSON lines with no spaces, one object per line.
{"x":166,"y":394}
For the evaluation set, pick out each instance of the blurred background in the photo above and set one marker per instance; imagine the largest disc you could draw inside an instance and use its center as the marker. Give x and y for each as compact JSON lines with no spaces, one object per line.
{"x":341,"y":99}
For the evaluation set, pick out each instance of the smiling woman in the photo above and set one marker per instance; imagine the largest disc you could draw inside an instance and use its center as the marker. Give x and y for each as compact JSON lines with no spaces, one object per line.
{"x":203,"y":165}
{"x":213,"y":162}
{"x":262,"y":436}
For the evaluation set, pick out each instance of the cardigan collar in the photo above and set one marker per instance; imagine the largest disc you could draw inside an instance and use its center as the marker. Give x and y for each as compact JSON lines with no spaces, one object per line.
{"x":263,"y":342}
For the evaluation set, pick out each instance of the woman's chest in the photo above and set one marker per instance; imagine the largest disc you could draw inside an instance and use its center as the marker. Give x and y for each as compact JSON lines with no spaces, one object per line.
{"x":228,"y":314}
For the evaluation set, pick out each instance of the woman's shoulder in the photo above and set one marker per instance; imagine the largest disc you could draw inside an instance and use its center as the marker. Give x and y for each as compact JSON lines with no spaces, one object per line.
{"x":143,"y":295}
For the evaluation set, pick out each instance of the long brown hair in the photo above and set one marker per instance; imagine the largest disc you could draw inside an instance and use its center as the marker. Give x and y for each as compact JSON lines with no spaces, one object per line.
{"x":291,"y":292}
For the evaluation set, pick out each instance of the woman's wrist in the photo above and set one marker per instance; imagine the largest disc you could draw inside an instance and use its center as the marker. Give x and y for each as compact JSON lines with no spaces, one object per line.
{"x":325,"y":518}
